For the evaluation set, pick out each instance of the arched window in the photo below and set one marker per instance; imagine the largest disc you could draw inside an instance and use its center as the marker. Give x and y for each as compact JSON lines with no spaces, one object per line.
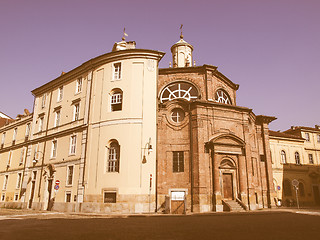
{"x":182,"y":90}
{"x":297,"y":158}
{"x":222,"y":96}
{"x":287,"y":188}
{"x":301,"y":189}
{"x":116,"y":100}
{"x":283,"y":157}
{"x":113,"y":156}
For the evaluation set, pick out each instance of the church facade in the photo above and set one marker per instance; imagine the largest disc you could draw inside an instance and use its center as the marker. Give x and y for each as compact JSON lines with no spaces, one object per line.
{"x":119,"y":135}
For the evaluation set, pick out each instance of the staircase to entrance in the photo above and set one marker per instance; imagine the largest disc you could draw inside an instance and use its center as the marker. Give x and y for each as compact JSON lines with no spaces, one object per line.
{"x":233,"y":206}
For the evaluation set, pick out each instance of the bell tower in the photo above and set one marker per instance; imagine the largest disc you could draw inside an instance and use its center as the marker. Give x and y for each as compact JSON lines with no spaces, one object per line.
{"x":181,"y":53}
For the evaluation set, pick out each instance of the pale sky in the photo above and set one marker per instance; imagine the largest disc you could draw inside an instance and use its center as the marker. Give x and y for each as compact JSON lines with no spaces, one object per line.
{"x":270,"y":48}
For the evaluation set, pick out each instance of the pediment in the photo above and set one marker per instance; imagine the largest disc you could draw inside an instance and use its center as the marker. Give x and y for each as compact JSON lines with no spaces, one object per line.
{"x":228,"y":141}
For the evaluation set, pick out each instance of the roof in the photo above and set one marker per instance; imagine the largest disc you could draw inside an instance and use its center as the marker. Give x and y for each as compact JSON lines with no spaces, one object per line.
{"x":94,"y":62}
{"x":203,"y":69}
{"x":297,"y":129}
{"x":284,"y":135}
{"x":2,"y":115}
{"x":181,"y":42}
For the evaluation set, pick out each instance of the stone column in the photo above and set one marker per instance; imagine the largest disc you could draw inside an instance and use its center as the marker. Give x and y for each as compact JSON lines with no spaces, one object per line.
{"x":216,"y":183}
{"x":243,"y":179}
{"x":268,"y":163}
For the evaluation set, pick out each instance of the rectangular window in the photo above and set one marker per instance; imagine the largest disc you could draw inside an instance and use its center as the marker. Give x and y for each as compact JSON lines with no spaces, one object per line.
{"x":15,"y":131}
{"x":22,"y":154}
{"x":3,"y":139}
{"x":35,"y":151}
{"x":9,"y":159}
{"x":262,"y":158}
{"x":253,"y":160}
{"x":76,"y":111}
{"x":73,"y":142}
{"x":60,"y":94}
{"x":43,"y":103}
{"x":117,"y":71}
{"x":34,"y":175}
{"x":307,"y":137}
{"x":27,"y":131}
{"x":16,"y":197}
{"x":19,"y":177}
{"x":40,"y":124}
{"x":116,"y":102}
{"x":5,"y":182}
{"x":57,"y":118}
{"x":54,"y":149}
{"x":68,"y":196}
{"x":318,"y":138}
{"x":79,"y":85}
{"x":110,"y":197}
{"x":311,"y":159}
{"x":178,"y":161}
{"x":3,"y":197}
{"x":69,"y":175}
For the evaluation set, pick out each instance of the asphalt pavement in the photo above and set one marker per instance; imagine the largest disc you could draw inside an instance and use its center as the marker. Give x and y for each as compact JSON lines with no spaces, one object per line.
{"x":272,"y":224}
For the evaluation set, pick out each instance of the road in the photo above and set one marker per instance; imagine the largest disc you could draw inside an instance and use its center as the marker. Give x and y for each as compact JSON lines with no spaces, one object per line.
{"x":249,"y":225}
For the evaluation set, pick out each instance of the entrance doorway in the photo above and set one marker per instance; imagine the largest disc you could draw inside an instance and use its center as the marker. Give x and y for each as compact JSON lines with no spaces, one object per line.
{"x":316,"y":194}
{"x":33,"y":184}
{"x":227,"y":186}
{"x":49,"y":194}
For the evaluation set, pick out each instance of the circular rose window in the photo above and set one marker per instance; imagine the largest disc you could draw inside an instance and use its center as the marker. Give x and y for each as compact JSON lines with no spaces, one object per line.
{"x":177,"y":115}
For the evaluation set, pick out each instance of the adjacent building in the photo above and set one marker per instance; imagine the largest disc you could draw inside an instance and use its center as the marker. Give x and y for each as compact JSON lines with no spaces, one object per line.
{"x":296,"y":156}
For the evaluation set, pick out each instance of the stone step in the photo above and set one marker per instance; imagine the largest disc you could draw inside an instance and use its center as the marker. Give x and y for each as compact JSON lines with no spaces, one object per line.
{"x":234,"y":206}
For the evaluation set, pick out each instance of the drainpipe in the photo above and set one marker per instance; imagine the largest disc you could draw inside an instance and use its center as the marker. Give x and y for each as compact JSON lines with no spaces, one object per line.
{"x":44,"y":145}
{"x":87,"y":135}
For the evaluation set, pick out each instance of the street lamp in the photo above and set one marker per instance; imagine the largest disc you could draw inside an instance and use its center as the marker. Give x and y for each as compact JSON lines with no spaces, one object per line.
{"x":148,"y":147}
{"x":34,"y":161}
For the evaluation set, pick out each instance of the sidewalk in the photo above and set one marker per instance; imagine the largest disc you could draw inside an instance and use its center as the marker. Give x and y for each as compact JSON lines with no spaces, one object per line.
{"x":27,"y":213}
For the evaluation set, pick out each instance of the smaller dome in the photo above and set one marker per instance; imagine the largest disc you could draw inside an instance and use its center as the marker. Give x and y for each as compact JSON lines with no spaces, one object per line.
{"x":182,"y":53}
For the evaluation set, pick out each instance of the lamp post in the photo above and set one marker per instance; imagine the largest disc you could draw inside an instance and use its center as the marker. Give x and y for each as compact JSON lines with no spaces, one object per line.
{"x":148,"y":147}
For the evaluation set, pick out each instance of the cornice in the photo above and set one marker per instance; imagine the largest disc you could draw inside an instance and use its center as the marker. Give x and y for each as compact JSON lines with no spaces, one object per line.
{"x":16,"y":123}
{"x":221,"y":105}
{"x":96,"y":62}
{"x":285,"y":139}
{"x":44,"y":138}
{"x":264,"y":119}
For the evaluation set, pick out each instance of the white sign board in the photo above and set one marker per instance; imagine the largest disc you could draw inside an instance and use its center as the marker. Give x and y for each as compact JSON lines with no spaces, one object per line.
{"x":177,"y":196}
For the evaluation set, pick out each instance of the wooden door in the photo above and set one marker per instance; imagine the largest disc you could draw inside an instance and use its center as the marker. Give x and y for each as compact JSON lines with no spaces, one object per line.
{"x":33,"y":184}
{"x":227,"y":186}
{"x":49,"y":193}
{"x":316,"y":195}
{"x":177,"y":207}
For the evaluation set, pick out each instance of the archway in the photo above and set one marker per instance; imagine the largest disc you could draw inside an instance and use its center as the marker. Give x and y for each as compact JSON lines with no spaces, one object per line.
{"x":228,"y":171}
